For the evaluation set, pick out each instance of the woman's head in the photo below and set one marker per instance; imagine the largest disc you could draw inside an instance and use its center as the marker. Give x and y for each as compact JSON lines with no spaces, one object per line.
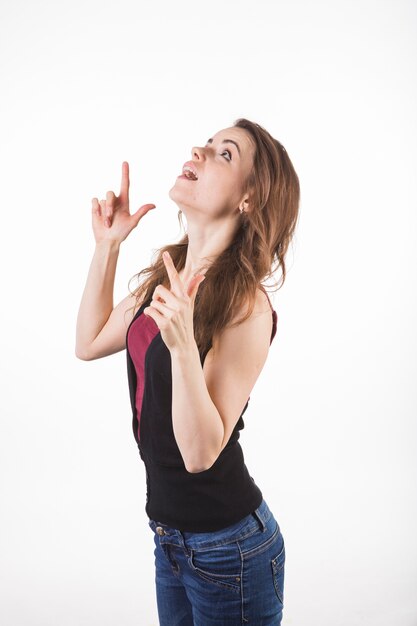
{"x":246,"y":175}
{"x":263,"y":182}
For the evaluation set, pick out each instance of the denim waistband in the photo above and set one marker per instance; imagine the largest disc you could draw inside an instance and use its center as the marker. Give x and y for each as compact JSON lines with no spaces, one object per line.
{"x":245,"y":527}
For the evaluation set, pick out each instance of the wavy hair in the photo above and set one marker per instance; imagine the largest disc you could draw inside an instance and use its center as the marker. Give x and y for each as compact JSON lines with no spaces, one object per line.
{"x":257,"y":251}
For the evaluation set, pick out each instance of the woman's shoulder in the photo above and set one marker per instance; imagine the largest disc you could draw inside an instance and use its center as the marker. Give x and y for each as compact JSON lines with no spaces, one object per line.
{"x":262,"y":305}
{"x":242,"y":327}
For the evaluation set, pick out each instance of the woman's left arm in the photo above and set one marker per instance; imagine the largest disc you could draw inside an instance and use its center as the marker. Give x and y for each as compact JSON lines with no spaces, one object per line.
{"x":197,"y":424}
{"x":207,"y":401}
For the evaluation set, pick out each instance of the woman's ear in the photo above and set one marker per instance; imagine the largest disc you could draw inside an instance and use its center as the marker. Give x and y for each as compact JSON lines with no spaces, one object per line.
{"x":244,"y":205}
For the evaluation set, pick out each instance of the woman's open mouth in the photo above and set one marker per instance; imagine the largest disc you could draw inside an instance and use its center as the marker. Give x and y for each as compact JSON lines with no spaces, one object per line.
{"x":189,"y":171}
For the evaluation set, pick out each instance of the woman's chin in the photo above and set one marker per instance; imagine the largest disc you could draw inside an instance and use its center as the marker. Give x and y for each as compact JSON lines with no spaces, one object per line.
{"x":173,"y":194}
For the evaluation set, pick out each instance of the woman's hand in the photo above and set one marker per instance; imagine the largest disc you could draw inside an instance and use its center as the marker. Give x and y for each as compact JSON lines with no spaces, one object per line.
{"x":111,"y":217}
{"x":172,"y":310}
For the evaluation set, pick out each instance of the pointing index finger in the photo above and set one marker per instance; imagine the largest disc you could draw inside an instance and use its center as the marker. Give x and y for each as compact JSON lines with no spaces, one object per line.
{"x":173,"y":275}
{"x":124,"y":187}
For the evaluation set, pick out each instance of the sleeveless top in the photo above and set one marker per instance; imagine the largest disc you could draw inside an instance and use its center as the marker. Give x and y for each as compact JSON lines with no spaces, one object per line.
{"x":191,"y":502}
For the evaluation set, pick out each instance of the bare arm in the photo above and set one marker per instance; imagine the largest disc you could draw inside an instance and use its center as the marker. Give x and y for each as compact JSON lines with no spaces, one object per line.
{"x":207,"y":402}
{"x":97,"y":299}
{"x":101,"y":329}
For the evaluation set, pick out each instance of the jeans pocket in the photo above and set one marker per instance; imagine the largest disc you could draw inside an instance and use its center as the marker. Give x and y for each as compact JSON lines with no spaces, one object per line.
{"x":260,"y":541}
{"x":219,"y":565}
{"x":277,"y":565}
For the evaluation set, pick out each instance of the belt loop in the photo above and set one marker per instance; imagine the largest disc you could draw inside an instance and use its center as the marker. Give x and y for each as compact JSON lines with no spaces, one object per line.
{"x":258,"y":516}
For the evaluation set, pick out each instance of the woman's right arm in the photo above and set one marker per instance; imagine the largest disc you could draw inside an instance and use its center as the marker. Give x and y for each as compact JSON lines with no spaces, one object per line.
{"x":101,"y":329}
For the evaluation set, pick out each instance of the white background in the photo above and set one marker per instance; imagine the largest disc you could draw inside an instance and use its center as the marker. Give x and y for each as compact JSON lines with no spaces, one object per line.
{"x":330,"y":432}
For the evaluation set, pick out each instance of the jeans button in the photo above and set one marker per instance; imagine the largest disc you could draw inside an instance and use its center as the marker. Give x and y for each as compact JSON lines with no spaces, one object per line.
{"x":160,"y":530}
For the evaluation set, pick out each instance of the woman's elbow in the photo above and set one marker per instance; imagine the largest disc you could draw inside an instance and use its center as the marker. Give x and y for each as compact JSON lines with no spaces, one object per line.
{"x":198,"y":467}
{"x":82,"y":355}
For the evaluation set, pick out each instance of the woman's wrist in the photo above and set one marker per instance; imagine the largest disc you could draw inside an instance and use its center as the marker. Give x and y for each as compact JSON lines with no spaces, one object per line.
{"x":108,"y":244}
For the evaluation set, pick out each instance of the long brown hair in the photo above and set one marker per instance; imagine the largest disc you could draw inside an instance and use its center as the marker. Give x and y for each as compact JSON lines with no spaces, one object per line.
{"x":256,"y":252}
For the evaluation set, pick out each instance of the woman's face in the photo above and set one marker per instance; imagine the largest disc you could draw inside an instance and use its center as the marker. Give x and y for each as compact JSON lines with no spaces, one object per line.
{"x":222,"y":167}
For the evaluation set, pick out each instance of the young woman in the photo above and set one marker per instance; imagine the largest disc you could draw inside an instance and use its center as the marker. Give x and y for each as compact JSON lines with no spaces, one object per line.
{"x":194,"y":352}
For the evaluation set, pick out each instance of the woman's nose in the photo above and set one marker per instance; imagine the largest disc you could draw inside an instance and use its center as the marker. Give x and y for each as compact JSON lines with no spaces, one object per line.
{"x":198,"y":152}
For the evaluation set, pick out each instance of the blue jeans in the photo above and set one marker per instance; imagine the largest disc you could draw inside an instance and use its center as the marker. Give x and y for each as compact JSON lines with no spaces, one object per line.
{"x":229,"y":577}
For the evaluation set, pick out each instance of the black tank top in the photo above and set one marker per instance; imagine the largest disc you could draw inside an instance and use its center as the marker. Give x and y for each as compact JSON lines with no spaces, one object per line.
{"x":191,"y":502}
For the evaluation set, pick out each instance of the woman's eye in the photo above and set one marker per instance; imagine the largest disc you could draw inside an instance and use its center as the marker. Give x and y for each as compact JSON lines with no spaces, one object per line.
{"x":229,"y":153}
